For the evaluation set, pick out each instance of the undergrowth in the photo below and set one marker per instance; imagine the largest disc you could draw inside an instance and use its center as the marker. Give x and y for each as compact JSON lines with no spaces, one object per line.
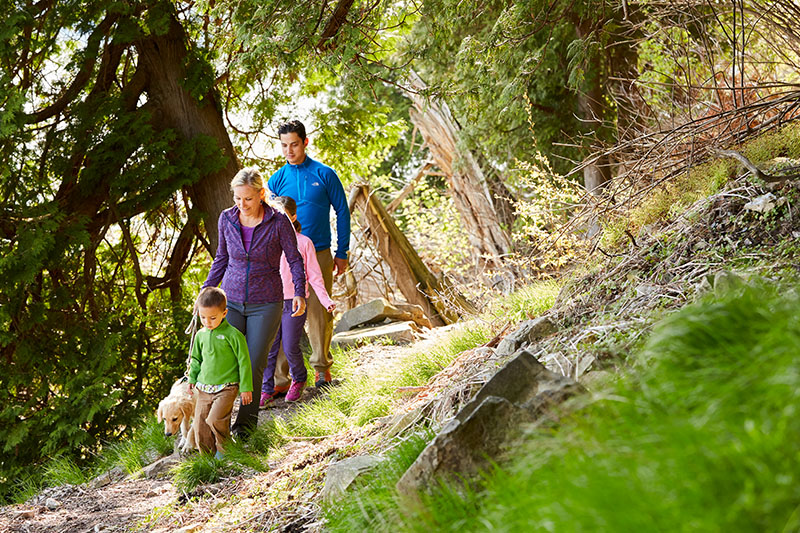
{"x":674,"y":196}
{"x":701,"y":435}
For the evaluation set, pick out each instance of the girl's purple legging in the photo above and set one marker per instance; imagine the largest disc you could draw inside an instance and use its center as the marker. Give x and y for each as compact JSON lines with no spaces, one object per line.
{"x":289,"y":335}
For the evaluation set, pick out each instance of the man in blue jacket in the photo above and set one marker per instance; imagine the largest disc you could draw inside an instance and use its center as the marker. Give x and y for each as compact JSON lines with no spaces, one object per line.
{"x":315,"y":188}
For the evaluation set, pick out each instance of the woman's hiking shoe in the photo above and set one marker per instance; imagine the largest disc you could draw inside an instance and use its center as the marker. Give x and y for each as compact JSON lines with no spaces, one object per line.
{"x":267,"y":397}
{"x":295,"y":391}
{"x":322,"y":379}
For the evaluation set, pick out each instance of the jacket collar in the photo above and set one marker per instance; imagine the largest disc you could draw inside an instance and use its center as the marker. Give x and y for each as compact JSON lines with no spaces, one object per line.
{"x":305,"y":164}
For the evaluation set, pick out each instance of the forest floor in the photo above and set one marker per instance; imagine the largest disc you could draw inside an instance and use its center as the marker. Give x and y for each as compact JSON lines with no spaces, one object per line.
{"x":240,"y":503}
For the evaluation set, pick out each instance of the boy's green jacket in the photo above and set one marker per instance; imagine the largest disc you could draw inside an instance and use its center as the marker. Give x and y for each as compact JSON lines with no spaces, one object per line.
{"x":220,"y":356}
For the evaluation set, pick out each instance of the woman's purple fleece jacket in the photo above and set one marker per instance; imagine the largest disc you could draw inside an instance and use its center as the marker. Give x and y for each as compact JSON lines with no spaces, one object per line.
{"x":254,"y":277}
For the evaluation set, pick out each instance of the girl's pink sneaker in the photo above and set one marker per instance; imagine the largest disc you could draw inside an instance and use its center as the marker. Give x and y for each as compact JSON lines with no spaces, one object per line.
{"x":295,"y":391}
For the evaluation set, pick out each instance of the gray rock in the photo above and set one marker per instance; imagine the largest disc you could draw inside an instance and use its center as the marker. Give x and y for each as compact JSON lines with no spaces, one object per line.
{"x":160,"y":467}
{"x":725,"y":281}
{"x":517,"y":394}
{"x":597,"y":379}
{"x":106,"y":478}
{"x":342,"y":473}
{"x":399,"y":332}
{"x":52,"y":504}
{"x":527,"y":332}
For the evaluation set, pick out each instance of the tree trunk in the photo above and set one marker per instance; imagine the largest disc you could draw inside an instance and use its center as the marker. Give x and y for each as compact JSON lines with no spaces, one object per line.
{"x":164,"y":57}
{"x":441,"y":303}
{"x":591,"y":102}
{"x":464,"y":176}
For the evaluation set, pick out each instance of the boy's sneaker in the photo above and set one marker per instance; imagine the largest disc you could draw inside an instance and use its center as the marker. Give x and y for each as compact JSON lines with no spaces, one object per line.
{"x":322,"y":379}
{"x":295,"y":391}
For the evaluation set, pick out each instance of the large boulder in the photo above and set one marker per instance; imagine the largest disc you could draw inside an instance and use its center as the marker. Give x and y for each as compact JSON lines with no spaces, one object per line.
{"x":519,"y":393}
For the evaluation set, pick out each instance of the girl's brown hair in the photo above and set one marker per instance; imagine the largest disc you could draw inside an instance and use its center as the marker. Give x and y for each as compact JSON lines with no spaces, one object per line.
{"x":288,"y":206}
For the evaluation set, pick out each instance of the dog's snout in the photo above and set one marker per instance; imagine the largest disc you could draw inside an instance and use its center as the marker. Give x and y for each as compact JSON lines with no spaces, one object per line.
{"x":168,"y":433}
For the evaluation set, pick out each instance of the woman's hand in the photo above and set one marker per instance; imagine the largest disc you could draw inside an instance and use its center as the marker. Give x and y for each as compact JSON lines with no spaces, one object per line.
{"x":247,"y":397}
{"x":331,"y":308}
{"x":298,"y":305}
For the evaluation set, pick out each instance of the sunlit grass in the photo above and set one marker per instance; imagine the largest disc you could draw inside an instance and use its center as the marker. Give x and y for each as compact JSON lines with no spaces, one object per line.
{"x":147,"y":444}
{"x":527,"y":302}
{"x":360,"y":399}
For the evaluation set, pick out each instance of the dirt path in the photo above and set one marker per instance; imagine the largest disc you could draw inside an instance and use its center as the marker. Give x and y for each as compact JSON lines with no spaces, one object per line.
{"x":287,"y":493}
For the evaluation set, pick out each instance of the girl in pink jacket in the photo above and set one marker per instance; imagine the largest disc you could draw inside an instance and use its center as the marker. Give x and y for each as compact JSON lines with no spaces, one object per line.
{"x":292,"y":326}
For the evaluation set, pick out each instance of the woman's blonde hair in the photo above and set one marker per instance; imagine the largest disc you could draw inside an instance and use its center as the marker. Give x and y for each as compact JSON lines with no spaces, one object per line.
{"x":249,"y":176}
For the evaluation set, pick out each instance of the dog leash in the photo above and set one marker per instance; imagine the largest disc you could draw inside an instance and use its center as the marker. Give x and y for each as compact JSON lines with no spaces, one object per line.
{"x":191,"y":330}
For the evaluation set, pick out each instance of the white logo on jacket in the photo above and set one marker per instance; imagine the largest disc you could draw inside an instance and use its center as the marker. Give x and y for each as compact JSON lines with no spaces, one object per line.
{"x":221,"y":337}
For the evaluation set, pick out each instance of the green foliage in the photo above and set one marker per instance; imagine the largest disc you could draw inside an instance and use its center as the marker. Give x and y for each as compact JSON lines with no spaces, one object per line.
{"x":702,"y":434}
{"x":63,"y":471}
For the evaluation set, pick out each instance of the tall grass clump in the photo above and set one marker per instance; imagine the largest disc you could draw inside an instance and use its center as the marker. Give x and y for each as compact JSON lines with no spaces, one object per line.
{"x":528,"y":302}
{"x":700,"y":436}
{"x":146,"y":444}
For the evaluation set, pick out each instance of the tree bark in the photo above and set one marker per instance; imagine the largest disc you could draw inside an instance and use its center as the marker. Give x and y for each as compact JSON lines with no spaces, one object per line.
{"x":164,"y":57}
{"x":464,"y":176}
{"x":591,"y":102}
{"x":441,"y":303}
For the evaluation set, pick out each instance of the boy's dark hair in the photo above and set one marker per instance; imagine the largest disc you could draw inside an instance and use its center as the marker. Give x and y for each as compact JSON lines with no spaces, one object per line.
{"x":212,"y":297}
{"x":289,"y":207}
{"x":293,"y":126}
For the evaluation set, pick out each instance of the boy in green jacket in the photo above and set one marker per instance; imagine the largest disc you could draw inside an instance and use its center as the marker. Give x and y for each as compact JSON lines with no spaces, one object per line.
{"x":220,"y":369}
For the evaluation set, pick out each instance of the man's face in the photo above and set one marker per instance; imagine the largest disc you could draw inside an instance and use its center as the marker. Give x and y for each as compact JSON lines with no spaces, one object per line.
{"x":211,"y":317}
{"x":293,"y":147}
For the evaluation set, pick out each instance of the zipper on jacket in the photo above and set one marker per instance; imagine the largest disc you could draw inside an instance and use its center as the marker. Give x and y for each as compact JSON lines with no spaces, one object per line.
{"x":247,"y":255}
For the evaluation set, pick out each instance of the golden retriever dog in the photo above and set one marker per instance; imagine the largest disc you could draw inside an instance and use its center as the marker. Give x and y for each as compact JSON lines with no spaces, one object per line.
{"x":177,"y":410}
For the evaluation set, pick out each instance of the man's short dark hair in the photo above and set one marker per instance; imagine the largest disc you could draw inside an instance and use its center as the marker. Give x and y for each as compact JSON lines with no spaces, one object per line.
{"x":293,"y":126}
{"x":212,"y":297}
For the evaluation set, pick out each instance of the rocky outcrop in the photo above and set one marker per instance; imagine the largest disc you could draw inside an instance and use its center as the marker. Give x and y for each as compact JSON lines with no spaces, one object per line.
{"x":519,"y":393}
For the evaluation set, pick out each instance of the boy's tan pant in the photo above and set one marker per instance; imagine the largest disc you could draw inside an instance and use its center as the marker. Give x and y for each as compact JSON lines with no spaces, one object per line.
{"x":320,"y":328}
{"x":212,"y":418}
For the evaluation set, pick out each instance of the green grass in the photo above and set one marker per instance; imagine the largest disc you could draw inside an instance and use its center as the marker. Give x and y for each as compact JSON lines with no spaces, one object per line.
{"x":147,"y":443}
{"x":700,"y":436}
{"x":361,"y":399}
{"x":528,"y":302}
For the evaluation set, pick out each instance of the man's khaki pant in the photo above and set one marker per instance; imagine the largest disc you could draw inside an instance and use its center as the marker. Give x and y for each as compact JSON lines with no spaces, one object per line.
{"x":212,"y":418}
{"x":320,"y":328}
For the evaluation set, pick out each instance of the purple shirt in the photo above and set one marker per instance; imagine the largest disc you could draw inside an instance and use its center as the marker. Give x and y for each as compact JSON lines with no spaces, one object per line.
{"x":247,"y":237}
{"x":253,"y":276}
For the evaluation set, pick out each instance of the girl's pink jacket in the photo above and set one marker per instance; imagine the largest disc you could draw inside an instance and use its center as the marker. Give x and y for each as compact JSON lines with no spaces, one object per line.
{"x":313,"y":272}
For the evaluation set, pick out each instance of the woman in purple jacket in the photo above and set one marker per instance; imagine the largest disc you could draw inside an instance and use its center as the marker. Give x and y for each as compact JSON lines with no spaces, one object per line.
{"x":252,"y":236}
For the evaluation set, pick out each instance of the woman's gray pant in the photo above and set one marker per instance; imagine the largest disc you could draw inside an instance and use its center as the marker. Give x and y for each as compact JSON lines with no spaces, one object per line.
{"x":259,"y":323}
